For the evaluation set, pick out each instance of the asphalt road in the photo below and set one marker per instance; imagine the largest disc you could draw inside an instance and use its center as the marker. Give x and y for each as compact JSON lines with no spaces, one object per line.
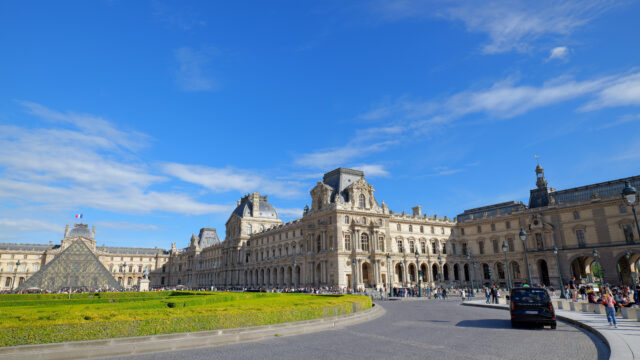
{"x":430,"y":329}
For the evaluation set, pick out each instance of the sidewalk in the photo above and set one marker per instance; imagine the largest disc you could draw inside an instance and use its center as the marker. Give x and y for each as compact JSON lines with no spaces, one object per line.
{"x":624,"y":342}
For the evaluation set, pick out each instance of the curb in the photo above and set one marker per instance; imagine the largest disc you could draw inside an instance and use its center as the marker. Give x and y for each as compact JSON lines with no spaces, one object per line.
{"x":619,"y":351}
{"x":167,"y":342}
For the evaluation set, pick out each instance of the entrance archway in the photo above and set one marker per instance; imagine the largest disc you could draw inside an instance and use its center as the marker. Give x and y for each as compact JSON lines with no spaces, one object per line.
{"x":412,"y":273}
{"x":624,"y":271}
{"x":445,"y":271}
{"x":435,"y":272}
{"x":423,"y":271}
{"x":366,"y":279}
{"x":399,"y":273}
{"x":466,"y":272}
{"x":543,"y":272}
{"x":456,"y":272}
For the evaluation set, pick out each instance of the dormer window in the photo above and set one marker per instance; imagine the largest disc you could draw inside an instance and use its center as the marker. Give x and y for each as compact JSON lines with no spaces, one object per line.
{"x":361,"y":200}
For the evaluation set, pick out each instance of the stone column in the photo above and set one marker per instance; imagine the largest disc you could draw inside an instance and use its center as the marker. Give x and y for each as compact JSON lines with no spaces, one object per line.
{"x":406,"y":273}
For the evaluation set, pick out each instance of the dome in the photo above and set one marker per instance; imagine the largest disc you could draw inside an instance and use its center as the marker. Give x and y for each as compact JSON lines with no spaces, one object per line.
{"x":80,"y":230}
{"x":246,"y":207}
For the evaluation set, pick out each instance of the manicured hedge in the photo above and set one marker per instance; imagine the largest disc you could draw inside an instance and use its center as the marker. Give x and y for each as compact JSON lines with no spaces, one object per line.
{"x":171,"y":312}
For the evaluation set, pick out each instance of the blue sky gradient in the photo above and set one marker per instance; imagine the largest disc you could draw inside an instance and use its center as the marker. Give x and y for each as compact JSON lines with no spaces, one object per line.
{"x":153,"y":118}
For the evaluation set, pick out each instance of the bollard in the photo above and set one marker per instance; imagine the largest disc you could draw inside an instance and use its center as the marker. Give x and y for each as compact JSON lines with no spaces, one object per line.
{"x":572,"y":306}
{"x":599,"y":309}
{"x":629,"y":313}
{"x":587,"y":307}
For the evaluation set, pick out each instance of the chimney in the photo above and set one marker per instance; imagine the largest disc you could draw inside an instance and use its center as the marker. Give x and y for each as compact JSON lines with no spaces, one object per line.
{"x":255,"y":199}
{"x":417,"y":210}
{"x":93,"y":230}
{"x":66,"y":230}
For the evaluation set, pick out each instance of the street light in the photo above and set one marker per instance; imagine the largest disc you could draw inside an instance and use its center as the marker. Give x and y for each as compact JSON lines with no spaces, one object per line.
{"x":472,"y":272}
{"x":562,"y":295}
{"x":295,"y":287}
{"x":523,"y":237}
{"x":627,"y":254}
{"x":597,"y":257}
{"x":389,"y":273}
{"x":505,"y":248}
{"x":630,"y":196}
{"x":15,"y":275}
{"x":440,"y":270}
{"x":419,"y":273}
{"x":491,"y":276}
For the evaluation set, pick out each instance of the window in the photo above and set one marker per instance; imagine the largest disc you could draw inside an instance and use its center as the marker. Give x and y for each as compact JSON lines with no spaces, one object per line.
{"x":453,"y":249}
{"x":381,"y":243}
{"x":510,"y":243}
{"x":461,"y":231}
{"x":399,"y":227}
{"x":319,"y":243}
{"x":464,"y":249}
{"x":623,"y":209}
{"x":539,"y":242}
{"x":410,"y":228}
{"x":481,"y":247}
{"x":347,"y":242}
{"x":444,"y":248}
{"x":361,"y":200}
{"x":433,"y":230}
{"x":493,"y":227}
{"x":495,"y":246}
{"x":248,"y":228}
{"x":580,"y":237}
{"x":364,"y":221}
{"x":507,"y":224}
{"x":7,"y":282}
{"x":485,"y":271}
{"x":346,"y":219}
{"x":576,"y":215}
{"x":400,"y":248}
{"x":434,"y":249}
{"x":412,"y":247}
{"x":364,"y":242}
{"x":479,"y":229}
{"x":421,"y":229}
{"x":452,"y":232}
{"x":423,"y":247}
{"x":36,"y":267}
{"x":441,"y":230}
{"x":628,"y":233}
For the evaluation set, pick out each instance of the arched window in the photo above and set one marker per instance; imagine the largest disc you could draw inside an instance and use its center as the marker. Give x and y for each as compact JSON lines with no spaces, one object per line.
{"x":364,"y":242}
{"x":347,"y":242}
{"x":381,"y":243}
{"x":400,"y":247}
{"x":361,"y":200}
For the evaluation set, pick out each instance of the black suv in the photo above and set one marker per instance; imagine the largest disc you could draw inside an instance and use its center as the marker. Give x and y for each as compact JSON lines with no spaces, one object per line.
{"x":531,"y":305}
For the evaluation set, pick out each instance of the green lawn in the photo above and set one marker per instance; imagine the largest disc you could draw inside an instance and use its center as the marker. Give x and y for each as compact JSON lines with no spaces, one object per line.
{"x":48,"y":318}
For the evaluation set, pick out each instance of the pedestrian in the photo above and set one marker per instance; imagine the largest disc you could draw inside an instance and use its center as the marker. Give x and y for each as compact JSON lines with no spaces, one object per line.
{"x":463,"y":294}
{"x":494,"y":295}
{"x":469,"y":292}
{"x":444,"y":294}
{"x":609,"y":304}
{"x":487,"y":293}
{"x":573,"y":289}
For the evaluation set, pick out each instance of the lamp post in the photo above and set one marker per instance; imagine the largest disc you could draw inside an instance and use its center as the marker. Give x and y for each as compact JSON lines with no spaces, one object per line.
{"x":295,"y":287}
{"x":440,"y":270}
{"x":630,"y":196}
{"x":523,"y":237}
{"x":627,"y":254}
{"x":597,"y":257}
{"x":491,"y":276}
{"x":562,"y":292}
{"x":15,"y":275}
{"x":472,"y":272}
{"x":389,"y":274}
{"x":505,"y":248}
{"x":419,"y":273}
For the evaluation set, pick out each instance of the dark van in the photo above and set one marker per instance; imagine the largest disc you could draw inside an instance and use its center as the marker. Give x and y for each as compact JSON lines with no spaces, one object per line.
{"x":531,"y":305}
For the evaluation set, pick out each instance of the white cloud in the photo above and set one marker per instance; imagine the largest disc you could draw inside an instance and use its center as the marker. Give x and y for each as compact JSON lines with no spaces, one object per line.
{"x":560,"y":53}
{"x":194,"y":72}
{"x":125,"y":225}
{"x":510,"y":25}
{"x":338,"y":156}
{"x":292,"y":213}
{"x":226,"y":179}
{"x":372,"y":170}
{"x":8,"y":225}
{"x":623,"y":91}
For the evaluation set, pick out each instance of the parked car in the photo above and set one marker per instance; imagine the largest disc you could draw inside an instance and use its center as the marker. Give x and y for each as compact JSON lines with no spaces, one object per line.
{"x":531,"y":305}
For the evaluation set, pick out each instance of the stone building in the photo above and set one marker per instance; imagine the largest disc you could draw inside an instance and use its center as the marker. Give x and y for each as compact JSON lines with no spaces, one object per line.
{"x":18,"y":262}
{"x":347,"y":239}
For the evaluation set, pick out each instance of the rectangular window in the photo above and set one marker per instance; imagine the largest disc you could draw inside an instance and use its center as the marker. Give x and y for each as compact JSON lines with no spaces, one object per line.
{"x":444,"y":248}
{"x":423,"y":247}
{"x":461,"y":231}
{"x":623,"y":209}
{"x":347,"y":242}
{"x":453,"y":249}
{"x":508,"y":224}
{"x":479,"y":229}
{"x":400,"y":248}
{"x":434,"y":250}
{"x":481,"y":247}
{"x":495,"y":247}
{"x":580,"y":237}
{"x":576,"y":215}
{"x":441,"y":230}
{"x":412,"y":247}
{"x":511,"y":246}
{"x":539,"y":242}
{"x":464,"y":248}
{"x":381,"y":244}
{"x":493,"y":227}
{"x":433,"y":230}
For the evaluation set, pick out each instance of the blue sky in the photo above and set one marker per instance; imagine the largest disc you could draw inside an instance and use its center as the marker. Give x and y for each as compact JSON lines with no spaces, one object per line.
{"x":153,"y":118}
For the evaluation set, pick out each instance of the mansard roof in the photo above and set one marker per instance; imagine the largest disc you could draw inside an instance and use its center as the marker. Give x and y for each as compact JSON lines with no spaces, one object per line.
{"x":492,"y":210}
{"x":587,"y":192}
{"x":27,"y":247}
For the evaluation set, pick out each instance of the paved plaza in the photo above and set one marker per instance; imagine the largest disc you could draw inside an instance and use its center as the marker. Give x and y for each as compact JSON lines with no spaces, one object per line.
{"x":416,"y":330}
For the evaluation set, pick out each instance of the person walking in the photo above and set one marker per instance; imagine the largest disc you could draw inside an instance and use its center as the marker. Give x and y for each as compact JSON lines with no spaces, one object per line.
{"x":573,"y":289}
{"x":463,"y":294}
{"x":609,"y":304}
{"x":444,"y":294}
{"x":494,"y":295}
{"x":487,"y":293}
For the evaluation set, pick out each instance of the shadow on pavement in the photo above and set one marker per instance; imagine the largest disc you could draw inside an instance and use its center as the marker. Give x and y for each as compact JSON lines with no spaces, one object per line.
{"x":486,"y":323}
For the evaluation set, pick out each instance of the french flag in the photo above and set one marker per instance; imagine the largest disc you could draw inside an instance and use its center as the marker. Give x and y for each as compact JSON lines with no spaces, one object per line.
{"x":78,"y":216}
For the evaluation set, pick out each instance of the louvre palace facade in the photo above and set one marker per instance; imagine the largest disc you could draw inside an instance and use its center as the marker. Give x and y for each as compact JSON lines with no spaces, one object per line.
{"x":347,"y":239}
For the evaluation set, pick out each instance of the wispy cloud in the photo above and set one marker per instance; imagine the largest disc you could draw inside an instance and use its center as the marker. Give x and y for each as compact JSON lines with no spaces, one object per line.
{"x":372,"y":170}
{"x":125,"y":225}
{"x":622,"y":91}
{"x":337,"y":156}
{"x":558,"y":53}
{"x":194,"y":72}
{"x":510,"y":25}
{"x":8,"y":225}
{"x":226,"y":179}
